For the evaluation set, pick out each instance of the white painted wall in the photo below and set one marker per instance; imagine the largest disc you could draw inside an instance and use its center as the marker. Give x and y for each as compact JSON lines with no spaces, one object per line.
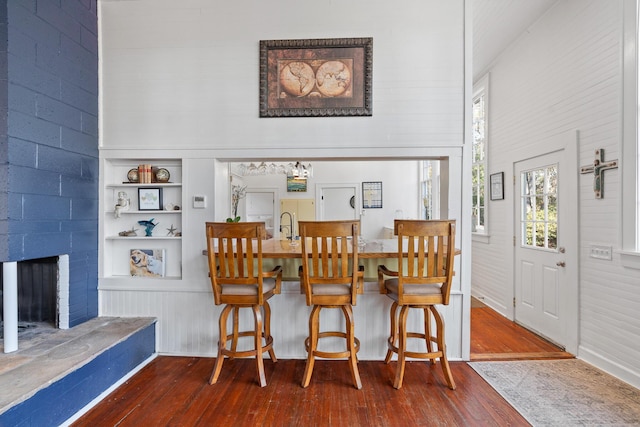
{"x":185,"y":74}
{"x":180,"y":79}
{"x":565,"y":74}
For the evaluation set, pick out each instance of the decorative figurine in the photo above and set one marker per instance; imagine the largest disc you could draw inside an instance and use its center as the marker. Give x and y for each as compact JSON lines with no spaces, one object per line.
{"x":122,"y":204}
{"x":128,"y":233}
{"x":171,"y":231}
{"x":148,"y":226}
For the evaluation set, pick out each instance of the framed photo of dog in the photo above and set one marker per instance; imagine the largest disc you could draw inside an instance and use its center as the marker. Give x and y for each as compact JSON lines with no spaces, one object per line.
{"x":147,"y":262}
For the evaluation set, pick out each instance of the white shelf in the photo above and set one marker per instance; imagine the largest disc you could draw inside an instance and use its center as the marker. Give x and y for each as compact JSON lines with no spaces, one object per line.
{"x":115,"y":254}
{"x":144,"y":284}
{"x":152,"y":184}
{"x":120,"y":277}
{"x":162,"y":212}
{"x":143,"y":238}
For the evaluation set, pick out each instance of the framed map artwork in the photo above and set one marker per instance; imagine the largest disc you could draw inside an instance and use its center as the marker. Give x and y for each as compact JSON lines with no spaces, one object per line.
{"x":316,"y":77}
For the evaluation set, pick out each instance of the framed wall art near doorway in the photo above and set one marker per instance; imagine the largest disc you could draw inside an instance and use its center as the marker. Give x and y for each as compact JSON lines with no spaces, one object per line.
{"x":296,"y":184}
{"x":316,"y":77}
{"x":372,"y":194}
{"x":497,"y":186}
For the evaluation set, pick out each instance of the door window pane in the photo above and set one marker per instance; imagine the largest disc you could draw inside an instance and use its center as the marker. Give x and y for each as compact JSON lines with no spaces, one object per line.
{"x":527,"y":183}
{"x":539,"y":195}
{"x":527,"y":209}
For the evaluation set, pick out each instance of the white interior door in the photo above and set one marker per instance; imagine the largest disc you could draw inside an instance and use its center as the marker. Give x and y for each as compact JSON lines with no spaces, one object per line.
{"x":543,"y":237}
{"x":259,"y":205}
{"x":337,"y":202}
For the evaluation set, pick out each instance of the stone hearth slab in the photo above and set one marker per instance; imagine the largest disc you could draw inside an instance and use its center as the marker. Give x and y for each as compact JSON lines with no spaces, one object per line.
{"x":47,"y":355}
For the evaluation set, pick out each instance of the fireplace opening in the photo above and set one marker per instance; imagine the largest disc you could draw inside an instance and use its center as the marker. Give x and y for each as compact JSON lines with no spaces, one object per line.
{"x":37,"y":292}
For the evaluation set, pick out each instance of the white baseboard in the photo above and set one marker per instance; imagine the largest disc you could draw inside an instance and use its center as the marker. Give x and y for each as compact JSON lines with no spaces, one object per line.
{"x":611,"y":368}
{"x":491,"y":303}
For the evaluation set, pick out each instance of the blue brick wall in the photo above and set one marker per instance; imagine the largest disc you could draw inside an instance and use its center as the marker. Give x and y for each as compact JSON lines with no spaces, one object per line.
{"x":49,"y":141}
{"x":4,"y":151}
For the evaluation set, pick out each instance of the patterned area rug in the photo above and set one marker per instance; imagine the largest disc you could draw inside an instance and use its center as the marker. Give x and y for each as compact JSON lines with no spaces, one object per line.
{"x":563,"y":392}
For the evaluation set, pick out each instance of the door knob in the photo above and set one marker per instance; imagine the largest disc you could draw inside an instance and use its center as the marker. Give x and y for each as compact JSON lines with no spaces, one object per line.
{"x":560,"y":263}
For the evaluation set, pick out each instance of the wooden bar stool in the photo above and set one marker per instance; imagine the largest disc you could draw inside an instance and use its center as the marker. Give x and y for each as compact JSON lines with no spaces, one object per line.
{"x":234,"y":253}
{"x":330,"y":278}
{"x":424,"y":282}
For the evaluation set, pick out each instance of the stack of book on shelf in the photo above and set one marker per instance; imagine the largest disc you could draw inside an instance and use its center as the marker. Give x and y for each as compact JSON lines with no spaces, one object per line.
{"x":145,"y":174}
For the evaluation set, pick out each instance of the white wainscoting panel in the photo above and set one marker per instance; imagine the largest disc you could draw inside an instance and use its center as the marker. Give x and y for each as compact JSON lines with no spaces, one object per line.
{"x":188,"y":321}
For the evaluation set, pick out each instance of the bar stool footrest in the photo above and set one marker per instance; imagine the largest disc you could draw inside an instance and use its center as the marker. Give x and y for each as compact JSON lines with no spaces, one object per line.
{"x":332,"y":354}
{"x":247,"y":353}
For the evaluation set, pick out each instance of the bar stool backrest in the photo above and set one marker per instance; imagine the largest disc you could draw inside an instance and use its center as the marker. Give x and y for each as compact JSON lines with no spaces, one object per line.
{"x":430,"y":249}
{"x":329,"y":257}
{"x":235,"y":258}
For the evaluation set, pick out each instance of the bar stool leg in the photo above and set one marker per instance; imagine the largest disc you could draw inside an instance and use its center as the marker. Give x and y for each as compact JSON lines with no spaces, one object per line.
{"x":222,"y":343}
{"x":257,"y":342}
{"x":311,"y":343}
{"x":235,"y":332}
{"x":446,"y":370}
{"x":393,"y":336}
{"x":427,"y":333}
{"x":353,"y":357}
{"x":267,"y":329}
{"x":402,"y":345}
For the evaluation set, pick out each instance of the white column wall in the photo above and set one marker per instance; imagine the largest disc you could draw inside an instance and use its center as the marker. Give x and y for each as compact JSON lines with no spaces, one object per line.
{"x":180,"y":80}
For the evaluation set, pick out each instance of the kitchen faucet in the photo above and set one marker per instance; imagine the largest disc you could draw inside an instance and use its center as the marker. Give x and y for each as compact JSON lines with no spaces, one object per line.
{"x":290,"y":226}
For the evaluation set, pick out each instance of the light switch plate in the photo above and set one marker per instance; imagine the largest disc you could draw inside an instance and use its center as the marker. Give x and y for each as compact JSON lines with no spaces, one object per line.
{"x":600,"y":252}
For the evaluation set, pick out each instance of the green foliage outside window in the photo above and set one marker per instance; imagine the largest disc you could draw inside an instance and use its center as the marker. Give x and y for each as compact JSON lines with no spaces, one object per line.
{"x":478,"y":173}
{"x":540,"y":207}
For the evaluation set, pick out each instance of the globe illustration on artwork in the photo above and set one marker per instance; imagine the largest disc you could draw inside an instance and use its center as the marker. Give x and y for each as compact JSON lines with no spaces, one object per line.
{"x":297,"y":78}
{"x":333,"y":78}
{"x":329,"y":80}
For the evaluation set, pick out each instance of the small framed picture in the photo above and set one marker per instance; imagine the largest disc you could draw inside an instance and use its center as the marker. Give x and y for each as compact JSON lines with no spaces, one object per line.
{"x":296,"y":184}
{"x":372,"y":195}
{"x":497,"y":186}
{"x":147,"y":262}
{"x":150,"y":199}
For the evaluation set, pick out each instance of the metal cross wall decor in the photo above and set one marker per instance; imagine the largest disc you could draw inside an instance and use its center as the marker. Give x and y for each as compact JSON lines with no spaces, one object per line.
{"x":598,"y":167}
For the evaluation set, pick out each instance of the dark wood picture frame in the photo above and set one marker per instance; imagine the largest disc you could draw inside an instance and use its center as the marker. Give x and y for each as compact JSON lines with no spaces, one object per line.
{"x":316,"y":77}
{"x":372,"y":195}
{"x":149,"y":199}
{"x":496,"y":186}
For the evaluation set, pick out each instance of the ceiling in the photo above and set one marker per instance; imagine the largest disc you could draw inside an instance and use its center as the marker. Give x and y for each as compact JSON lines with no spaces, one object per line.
{"x":497,"y":24}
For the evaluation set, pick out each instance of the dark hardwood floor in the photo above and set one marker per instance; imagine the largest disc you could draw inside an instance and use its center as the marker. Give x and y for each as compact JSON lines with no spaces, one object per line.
{"x":493,"y":337}
{"x":174,"y":391}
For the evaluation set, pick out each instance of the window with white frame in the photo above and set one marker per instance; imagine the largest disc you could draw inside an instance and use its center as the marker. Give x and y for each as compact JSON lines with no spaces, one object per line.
{"x":630,"y":228}
{"x":430,"y":189}
{"x":479,"y":156}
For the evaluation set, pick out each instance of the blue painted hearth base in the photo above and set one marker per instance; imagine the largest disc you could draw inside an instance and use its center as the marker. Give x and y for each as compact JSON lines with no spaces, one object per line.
{"x":54,"y":404}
